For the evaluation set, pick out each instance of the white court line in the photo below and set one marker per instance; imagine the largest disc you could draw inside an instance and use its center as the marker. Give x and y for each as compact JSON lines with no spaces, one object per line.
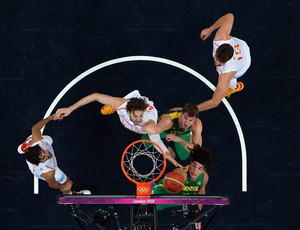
{"x":164,"y":61}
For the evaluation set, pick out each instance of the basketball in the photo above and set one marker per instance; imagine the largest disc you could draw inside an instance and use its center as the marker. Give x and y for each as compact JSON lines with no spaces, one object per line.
{"x":173,"y":182}
{"x":107,"y":110}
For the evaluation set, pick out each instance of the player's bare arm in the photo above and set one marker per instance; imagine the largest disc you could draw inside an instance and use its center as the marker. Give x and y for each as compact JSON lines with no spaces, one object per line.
{"x":49,"y":177}
{"x":187,"y":145}
{"x":196,"y":137}
{"x":224,"y":26}
{"x":36,"y":129}
{"x":165,"y":123}
{"x":219,"y":94}
{"x":151,"y":128}
{"x":101,"y":98}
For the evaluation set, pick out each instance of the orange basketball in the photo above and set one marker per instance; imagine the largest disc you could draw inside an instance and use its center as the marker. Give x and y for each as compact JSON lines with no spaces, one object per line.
{"x":173,"y":182}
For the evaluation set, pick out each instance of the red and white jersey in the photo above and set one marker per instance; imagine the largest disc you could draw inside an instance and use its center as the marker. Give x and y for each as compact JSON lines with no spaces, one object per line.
{"x":241,"y":59}
{"x":50,"y":164}
{"x":149,"y":114}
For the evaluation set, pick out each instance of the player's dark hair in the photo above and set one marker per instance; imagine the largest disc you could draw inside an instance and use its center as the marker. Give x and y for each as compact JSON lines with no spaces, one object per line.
{"x":190,"y":109}
{"x":136,"y":104}
{"x":33,"y":154}
{"x":224,"y":53}
{"x":202,"y":155}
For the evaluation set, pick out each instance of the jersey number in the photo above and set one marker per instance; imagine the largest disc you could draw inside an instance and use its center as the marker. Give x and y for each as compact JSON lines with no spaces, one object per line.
{"x":149,"y":107}
{"x":237,"y":52}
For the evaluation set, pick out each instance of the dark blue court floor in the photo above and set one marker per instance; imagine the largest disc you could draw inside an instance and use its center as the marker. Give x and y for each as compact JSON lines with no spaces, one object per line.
{"x":45,"y":45}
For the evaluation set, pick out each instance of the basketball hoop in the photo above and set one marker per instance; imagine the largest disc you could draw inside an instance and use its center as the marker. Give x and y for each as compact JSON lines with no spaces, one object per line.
{"x":143,"y":162}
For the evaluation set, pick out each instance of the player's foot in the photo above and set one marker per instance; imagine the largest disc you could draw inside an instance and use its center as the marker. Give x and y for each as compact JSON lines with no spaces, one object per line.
{"x":25,"y":145}
{"x":81,"y":192}
{"x":107,"y":110}
{"x":239,"y":87}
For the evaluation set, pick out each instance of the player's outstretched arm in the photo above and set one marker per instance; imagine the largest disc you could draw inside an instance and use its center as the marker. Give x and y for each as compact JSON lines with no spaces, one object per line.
{"x":36,"y":129}
{"x":153,"y":131}
{"x":101,"y":98}
{"x":219,"y":94}
{"x":223,"y":24}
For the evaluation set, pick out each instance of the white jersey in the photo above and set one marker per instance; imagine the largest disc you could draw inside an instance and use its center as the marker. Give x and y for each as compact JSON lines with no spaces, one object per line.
{"x":149,"y":114}
{"x":50,"y":164}
{"x":241,"y":59}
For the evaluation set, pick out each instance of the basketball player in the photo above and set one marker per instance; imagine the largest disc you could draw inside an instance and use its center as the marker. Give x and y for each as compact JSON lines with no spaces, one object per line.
{"x":136,"y":113}
{"x":184,"y":128}
{"x":231,"y":58}
{"x":195,"y":174}
{"x":41,"y":159}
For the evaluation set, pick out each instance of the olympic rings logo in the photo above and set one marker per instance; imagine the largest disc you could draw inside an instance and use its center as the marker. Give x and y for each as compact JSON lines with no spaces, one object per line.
{"x":143,"y":189}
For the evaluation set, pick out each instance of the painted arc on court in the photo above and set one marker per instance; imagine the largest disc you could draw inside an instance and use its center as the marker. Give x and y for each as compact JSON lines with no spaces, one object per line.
{"x":167,"y":62}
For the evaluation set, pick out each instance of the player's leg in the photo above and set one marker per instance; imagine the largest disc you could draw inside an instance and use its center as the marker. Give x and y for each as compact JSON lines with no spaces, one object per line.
{"x":63,"y":179}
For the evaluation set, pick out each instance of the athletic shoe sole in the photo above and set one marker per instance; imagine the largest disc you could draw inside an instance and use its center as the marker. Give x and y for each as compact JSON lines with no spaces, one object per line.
{"x":239,"y":87}
{"x":25,"y":145}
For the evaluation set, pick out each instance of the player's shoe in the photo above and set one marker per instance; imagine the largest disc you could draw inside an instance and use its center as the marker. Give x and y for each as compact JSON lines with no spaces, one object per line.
{"x":152,"y":185}
{"x":107,"y":110}
{"x":239,"y":87}
{"x":25,"y":145}
{"x":81,"y":192}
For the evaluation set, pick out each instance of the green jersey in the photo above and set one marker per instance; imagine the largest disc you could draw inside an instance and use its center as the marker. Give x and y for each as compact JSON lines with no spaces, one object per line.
{"x":175,"y":129}
{"x":190,"y":188}
{"x":182,"y":152}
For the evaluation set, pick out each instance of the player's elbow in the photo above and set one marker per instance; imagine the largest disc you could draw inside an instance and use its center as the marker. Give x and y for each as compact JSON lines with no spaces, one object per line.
{"x":95,"y":95}
{"x":230,"y":15}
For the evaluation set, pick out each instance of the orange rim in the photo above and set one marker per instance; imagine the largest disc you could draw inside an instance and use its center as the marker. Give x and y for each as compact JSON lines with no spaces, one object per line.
{"x":143,"y":188}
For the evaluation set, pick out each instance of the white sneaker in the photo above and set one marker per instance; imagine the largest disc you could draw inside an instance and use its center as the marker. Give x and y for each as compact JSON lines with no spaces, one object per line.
{"x":81,"y":192}
{"x":25,"y":145}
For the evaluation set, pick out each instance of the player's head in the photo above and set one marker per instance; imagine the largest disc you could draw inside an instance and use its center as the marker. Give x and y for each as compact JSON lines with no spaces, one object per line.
{"x":36,"y":155}
{"x":201,"y":159}
{"x":135,"y":108}
{"x":189,"y":115}
{"x":223,"y":54}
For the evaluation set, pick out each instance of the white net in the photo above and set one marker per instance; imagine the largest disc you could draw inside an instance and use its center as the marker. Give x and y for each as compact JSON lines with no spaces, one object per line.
{"x":142,"y":162}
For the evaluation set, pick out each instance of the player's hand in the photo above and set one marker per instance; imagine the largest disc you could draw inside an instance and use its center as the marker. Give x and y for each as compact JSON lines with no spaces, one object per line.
{"x":55,"y":117}
{"x":177,"y":165}
{"x":182,"y":172}
{"x":172,"y":160}
{"x":63,"y":112}
{"x":172,"y":137}
{"x":205,"y":33}
{"x":176,"y":109}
